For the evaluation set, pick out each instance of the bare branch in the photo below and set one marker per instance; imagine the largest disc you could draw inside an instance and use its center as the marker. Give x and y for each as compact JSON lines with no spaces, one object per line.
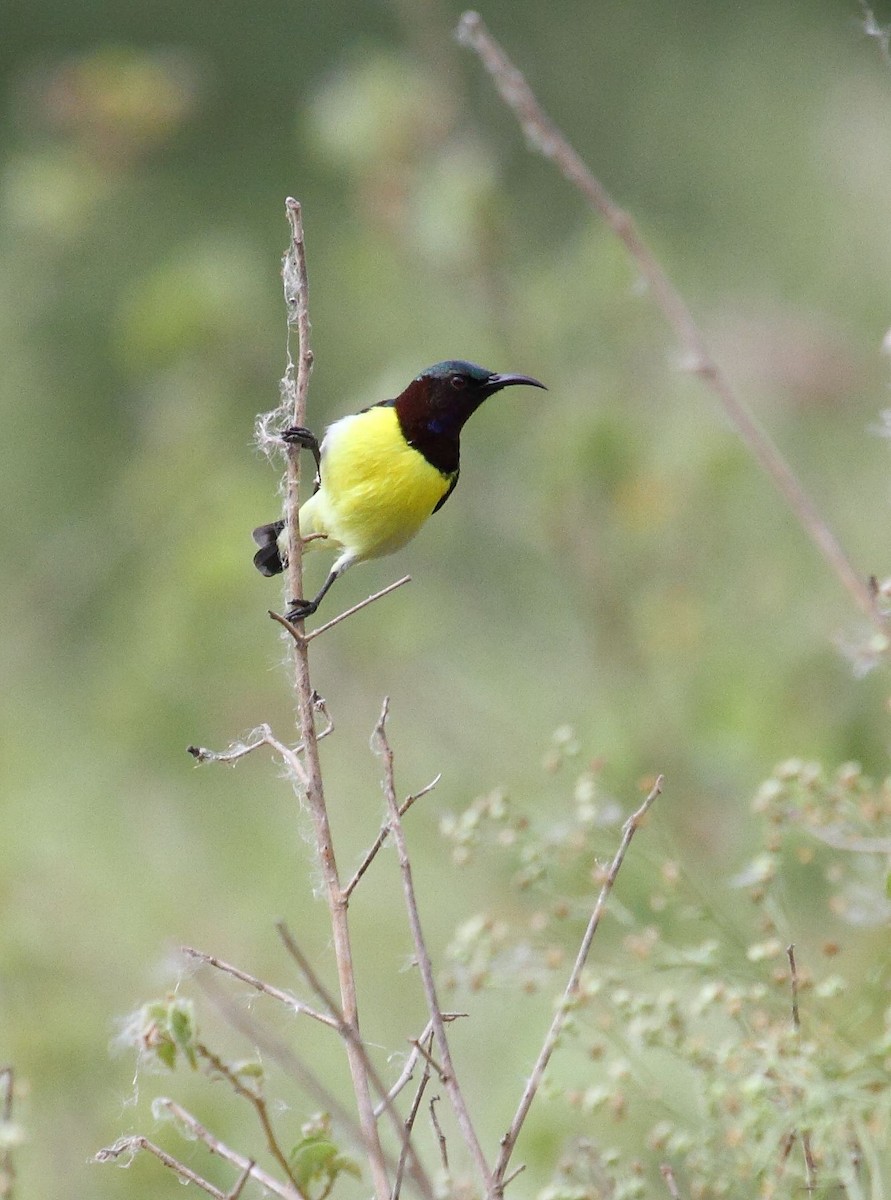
{"x":449,"y":1078}
{"x":571,"y":991}
{"x":411,"y":1062}
{"x":196,"y":1130}
{"x":440,"y":1136}
{"x":410,"y":1121}
{"x":383,"y":835}
{"x":262,"y":736}
{"x":282,"y":1054}
{"x":348,"y":1034}
{"x":132,"y":1145}
{"x":258,"y":1104}
{"x":391,"y":587}
{"x":543,"y":136}
{"x":294,"y":395}
{"x":267,"y":989}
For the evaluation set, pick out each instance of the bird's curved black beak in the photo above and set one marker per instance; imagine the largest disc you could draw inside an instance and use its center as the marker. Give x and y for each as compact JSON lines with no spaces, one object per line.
{"x":496,"y":382}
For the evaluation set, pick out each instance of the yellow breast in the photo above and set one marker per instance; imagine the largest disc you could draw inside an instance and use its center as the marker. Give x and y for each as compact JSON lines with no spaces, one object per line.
{"x":376,"y":491}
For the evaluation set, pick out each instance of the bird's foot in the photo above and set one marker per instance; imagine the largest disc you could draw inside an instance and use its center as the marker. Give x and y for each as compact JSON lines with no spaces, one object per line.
{"x":297,"y":435}
{"x":298,"y":610}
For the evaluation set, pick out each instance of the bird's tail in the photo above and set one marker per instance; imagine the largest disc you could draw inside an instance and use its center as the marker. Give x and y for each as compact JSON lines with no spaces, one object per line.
{"x":268,"y":559}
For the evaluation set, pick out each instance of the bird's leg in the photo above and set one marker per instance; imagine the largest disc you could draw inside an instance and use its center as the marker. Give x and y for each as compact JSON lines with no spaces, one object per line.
{"x":298,"y":609}
{"x":297,"y":435}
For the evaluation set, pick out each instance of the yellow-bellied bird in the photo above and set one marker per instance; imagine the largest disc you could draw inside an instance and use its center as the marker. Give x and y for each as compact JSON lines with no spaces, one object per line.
{"x":383,"y":471}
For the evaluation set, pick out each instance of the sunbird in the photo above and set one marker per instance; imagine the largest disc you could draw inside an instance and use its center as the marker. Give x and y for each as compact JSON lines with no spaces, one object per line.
{"x":383,"y":471}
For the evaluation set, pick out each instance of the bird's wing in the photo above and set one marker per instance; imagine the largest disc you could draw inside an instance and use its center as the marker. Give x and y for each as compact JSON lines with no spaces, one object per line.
{"x":452,"y":487}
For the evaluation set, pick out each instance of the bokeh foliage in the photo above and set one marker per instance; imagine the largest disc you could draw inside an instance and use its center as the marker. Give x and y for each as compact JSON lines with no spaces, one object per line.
{"x":612,"y":560}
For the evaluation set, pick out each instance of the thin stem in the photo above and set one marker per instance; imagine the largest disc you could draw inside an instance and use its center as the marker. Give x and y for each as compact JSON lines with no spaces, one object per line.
{"x":407,"y":1072}
{"x":449,"y":1077}
{"x":384,"y":834}
{"x":572,"y":986}
{"x":262,"y":736}
{"x":544,"y":136}
{"x":267,"y":989}
{"x":440,"y":1136}
{"x":386,"y":1103}
{"x":132,"y":1145}
{"x":282,"y":1054}
{"x":409,"y":1125}
{"x":391,"y":587}
{"x":294,"y":392}
{"x":259,"y":1105}
{"x":196,"y":1130}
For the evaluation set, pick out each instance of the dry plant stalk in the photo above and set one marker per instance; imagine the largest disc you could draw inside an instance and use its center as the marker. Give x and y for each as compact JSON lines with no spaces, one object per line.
{"x":341,"y":1014}
{"x":544,"y":136}
{"x":294,"y":394}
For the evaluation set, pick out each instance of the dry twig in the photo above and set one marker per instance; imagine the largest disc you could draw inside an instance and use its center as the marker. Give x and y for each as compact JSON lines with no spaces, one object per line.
{"x":294,"y":393}
{"x":383,"y":834}
{"x":544,"y":136}
{"x":247,"y":1167}
{"x":386,"y":1103}
{"x":449,"y":1078}
{"x":553,"y":1036}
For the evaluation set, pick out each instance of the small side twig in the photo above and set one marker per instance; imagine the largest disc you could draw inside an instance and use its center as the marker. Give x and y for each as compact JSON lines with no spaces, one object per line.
{"x":260,"y":985}
{"x":248,"y":1169}
{"x":425,"y":966}
{"x":410,"y":1122}
{"x":263,"y":736}
{"x":440,"y":1136}
{"x":384,"y":834}
{"x":132,"y":1145}
{"x":408,"y":1070}
{"x":572,"y":986}
{"x":198,"y":1131}
{"x":391,"y":587}
{"x":545,"y":137}
{"x":348,"y":1033}
{"x":259,"y":1106}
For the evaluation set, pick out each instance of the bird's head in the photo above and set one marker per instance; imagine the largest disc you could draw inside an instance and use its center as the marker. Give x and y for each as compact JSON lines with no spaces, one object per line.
{"x":438,"y":402}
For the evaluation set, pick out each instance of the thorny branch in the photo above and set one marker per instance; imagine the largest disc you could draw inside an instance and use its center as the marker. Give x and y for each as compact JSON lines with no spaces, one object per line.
{"x":544,"y":136}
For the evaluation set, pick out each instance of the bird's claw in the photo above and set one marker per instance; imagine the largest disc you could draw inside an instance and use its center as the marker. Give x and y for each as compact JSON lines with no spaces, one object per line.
{"x":297,"y":435}
{"x":298,"y":610}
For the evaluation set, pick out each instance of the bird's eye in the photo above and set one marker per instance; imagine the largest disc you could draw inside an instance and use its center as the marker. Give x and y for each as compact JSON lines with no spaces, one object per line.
{"x":458,"y":382}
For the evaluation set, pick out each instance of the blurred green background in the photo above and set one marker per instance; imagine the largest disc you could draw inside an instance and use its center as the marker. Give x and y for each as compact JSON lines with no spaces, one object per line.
{"x":612,"y":560}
